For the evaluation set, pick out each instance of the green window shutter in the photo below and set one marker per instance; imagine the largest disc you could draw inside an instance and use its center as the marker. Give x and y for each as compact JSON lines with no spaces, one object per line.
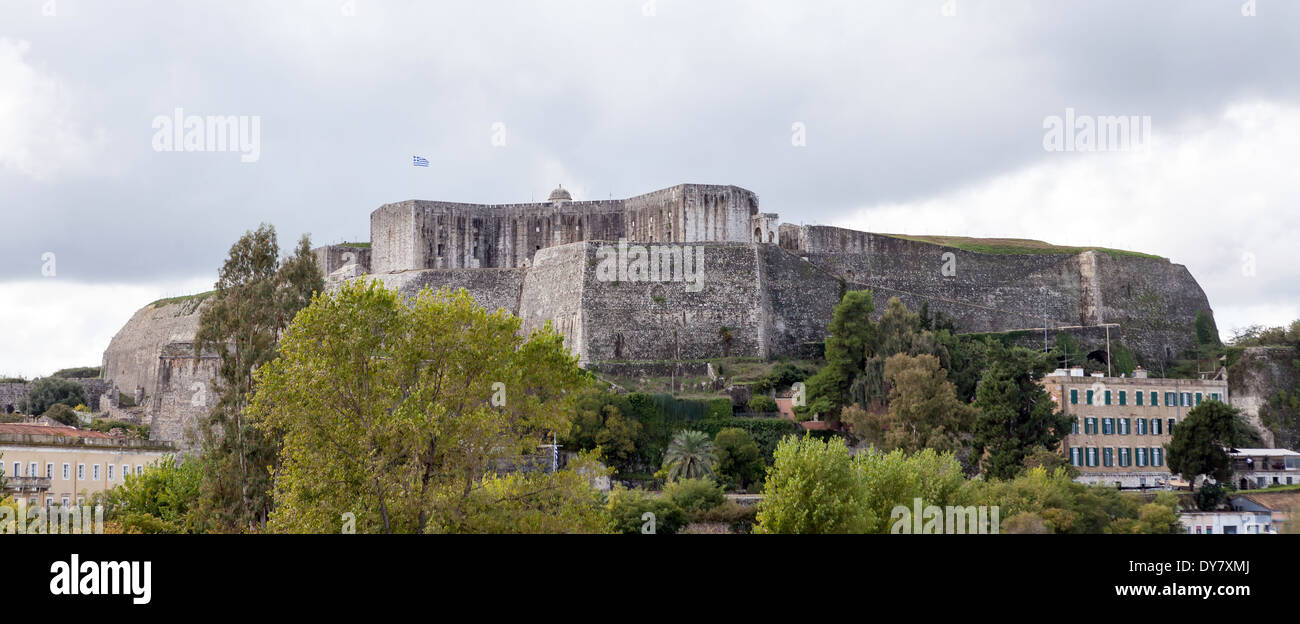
{"x":1198,"y":398}
{"x":1123,"y":397}
{"x":1090,"y":397}
{"x":1074,"y":396}
{"x":1155,"y":399}
{"x":1139,"y":398}
{"x":1108,"y":397}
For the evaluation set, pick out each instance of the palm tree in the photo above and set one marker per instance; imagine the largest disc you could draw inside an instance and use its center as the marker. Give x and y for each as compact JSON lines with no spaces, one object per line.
{"x":690,"y":456}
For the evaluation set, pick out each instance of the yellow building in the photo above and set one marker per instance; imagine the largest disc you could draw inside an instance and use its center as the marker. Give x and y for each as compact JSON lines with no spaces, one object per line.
{"x":48,"y":465}
{"x":1120,"y":425}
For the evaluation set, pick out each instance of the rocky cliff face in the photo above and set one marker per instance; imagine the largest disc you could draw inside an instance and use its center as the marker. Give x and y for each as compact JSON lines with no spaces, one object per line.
{"x":150,"y":359}
{"x":1260,"y":384}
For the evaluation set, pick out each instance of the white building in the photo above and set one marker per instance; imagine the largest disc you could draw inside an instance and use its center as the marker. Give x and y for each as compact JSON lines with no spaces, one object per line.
{"x":1261,"y":468}
{"x":1227,"y":522}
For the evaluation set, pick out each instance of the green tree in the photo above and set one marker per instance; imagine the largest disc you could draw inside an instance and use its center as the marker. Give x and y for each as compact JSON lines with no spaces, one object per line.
{"x":162,"y":499}
{"x":256,"y":298}
{"x":1197,"y":445}
{"x":897,"y":478}
{"x":740,"y":461}
{"x":48,"y":391}
{"x":690,"y":455}
{"x":923,"y":409}
{"x":1016,"y":415}
{"x":402,"y":411}
{"x":814,"y":487}
{"x":852,"y":334}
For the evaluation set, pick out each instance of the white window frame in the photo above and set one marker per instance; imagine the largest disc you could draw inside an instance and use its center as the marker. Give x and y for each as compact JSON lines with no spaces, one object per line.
{"x":81,"y":472}
{"x":49,"y":470}
{"x":67,"y":471}
{"x":94,"y":471}
{"x":109,"y":467}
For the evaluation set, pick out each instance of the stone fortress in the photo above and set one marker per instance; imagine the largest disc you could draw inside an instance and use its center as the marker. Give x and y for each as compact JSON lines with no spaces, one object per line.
{"x":768,"y":288}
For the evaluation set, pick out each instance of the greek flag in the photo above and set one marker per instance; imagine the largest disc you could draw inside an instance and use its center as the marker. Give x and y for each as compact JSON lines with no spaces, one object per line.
{"x":419,"y":161}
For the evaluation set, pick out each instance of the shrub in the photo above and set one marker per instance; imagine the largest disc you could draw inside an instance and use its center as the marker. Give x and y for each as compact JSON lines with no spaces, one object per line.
{"x":762,"y":403}
{"x":626,"y":509}
{"x":694,"y":495}
{"x":64,"y":414}
{"x":81,"y":372}
{"x":739,"y":518}
{"x":47,"y":391}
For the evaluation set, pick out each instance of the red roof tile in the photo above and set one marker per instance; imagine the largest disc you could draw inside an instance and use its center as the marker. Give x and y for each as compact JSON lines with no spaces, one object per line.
{"x":60,"y":430}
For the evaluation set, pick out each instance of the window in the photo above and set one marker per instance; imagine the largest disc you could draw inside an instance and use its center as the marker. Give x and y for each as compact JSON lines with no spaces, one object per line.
{"x":94,"y":471}
{"x":1155,"y":399}
{"x":64,"y":501}
{"x":1074,"y":426}
{"x":1076,"y":456}
{"x":1155,"y":426}
{"x":18,"y":469}
{"x":1092,"y":456}
{"x":139,"y":469}
{"x":1074,"y":396}
{"x":1140,"y":456}
{"x":1185,"y":399}
{"x":110,"y":472}
{"x":126,"y":470}
{"x":1125,"y":456}
{"x":1108,"y":426}
{"x":1138,"y":396}
{"x":1108,"y":456}
{"x":1090,"y":426}
{"x":1107,"y":397}
{"x":1142,"y":426}
{"x":32,"y":471}
{"x":49,"y":500}
{"x":1156,"y":459}
{"x":1090,"y":402}
{"x":1123,"y":397}
{"x":81,"y":471}
{"x":67,"y":471}
{"x":1171,"y":426}
{"x":1125,"y":426}
{"x":1214,"y":396}
{"x":1170,"y":401}
{"x":49,"y":471}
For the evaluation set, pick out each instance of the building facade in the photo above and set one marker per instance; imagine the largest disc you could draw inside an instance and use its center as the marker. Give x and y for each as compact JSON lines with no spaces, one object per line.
{"x":1262,"y":468}
{"x":57,"y":465}
{"x":1120,"y":425}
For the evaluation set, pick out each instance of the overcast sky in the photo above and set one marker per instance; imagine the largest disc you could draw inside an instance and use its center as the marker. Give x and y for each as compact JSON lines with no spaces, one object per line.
{"x":914,"y":121}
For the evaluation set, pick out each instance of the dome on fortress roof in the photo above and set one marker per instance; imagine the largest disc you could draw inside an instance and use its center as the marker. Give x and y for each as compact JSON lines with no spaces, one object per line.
{"x":560,"y":194}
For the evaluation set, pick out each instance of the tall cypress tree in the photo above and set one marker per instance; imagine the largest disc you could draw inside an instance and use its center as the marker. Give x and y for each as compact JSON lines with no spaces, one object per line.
{"x":1016,"y":414}
{"x":257,"y":297}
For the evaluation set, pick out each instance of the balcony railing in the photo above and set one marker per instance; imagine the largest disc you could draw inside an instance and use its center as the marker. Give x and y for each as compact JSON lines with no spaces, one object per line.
{"x":27,"y":484}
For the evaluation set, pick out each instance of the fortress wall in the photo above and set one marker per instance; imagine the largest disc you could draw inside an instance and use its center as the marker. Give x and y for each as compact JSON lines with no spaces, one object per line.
{"x":491,"y":288}
{"x":131,"y":359}
{"x":1154,"y":301}
{"x":691,"y":213}
{"x":982,"y":292}
{"x":553,"y":290}
{"x":392,"y":238}
{"x":185,"y":392}
{"x":331,"y":258}
{"x":663,"y":320}
{"x":10,"y":395}
{"x":802,"y":298}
